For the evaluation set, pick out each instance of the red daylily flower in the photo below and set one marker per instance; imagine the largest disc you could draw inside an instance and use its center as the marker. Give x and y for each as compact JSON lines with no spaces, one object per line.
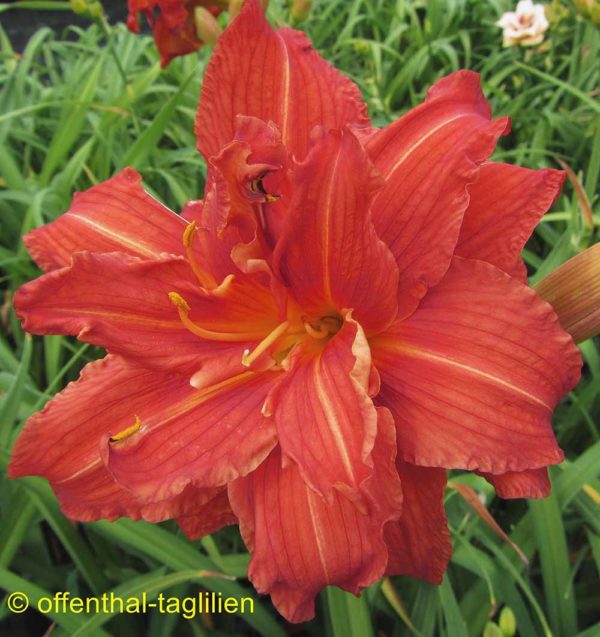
{"x":346,"y":317}
{"x":174,"y":28}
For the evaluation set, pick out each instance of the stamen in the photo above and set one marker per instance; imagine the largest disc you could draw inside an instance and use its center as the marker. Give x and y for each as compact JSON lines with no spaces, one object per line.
{"x":129,"y":431}
{"x":206,"y":280}
{"x":248,"y":358}
{"x":183,"y":308}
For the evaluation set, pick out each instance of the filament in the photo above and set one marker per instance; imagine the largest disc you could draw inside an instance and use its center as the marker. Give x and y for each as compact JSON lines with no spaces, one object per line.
{"x":183,"y":308}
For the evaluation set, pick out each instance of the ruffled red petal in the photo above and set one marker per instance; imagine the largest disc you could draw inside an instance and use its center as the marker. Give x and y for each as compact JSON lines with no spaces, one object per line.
{"x":122,"y":303}
{"x":428,"y":157}
{"x":473,"y":376}
{"x":62,"y":443}
{"x":329,"y":253}
{"x":506,"y":203}
{"x":202,"y":437}
{"x":301,"y":543}
{"x":326,"y":421}
{"x":532,"y":483}
{"x":419,"y":542}
{"x":114,"y":216}
{"x":273,"y":75}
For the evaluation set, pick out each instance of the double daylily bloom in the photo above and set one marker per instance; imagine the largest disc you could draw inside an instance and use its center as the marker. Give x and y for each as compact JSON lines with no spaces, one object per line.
{"x":307,"y":350}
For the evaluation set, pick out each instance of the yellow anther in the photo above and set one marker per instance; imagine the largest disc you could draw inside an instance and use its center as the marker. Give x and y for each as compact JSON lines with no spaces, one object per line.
{"x":206,"y":280}
{"x":271,"y":198}
{"x":188,"y":234}
{"x":129,"y":431}
{"x":248,"y":358}
{"x":179,"y":302}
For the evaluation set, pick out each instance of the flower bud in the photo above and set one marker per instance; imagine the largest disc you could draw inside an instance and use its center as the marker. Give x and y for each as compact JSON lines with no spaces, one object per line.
{"x":556,"y":12}
{"x":573,"y":290}
{"x":301,"y":9}
{"x":236,"y":5}
{"x":79,"y":6}
{"x":508,"y":622}
{"x":95,"y":10}
{"x":87,"y":8}
{"x":589,"y":9}
{"x":492,"y":630}
{"x":207,"y":27}
{"x":234,"y":8}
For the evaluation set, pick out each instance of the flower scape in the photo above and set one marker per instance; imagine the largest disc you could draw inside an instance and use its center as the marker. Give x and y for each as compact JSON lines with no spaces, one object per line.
{"x":305,"y":352}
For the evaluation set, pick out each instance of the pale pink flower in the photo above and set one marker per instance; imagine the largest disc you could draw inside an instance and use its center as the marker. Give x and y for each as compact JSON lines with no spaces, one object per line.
{"x":525,"y":26}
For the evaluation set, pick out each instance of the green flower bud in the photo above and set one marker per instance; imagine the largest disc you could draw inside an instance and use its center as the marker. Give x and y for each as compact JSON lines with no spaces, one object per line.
{"x":492,"y":630}
{"x":508,"y":622}
{"x":95,"y":10}
{"x":79,"y":6}
{"x":92,"y":9}
{"x":301,"y":9}
{"x":207,"y":27}
{"x":589,"y":9}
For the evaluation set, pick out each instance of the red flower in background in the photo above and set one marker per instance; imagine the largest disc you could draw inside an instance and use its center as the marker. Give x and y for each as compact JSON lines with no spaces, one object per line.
{"x":174,"y":28}
{"x":346,"y":317}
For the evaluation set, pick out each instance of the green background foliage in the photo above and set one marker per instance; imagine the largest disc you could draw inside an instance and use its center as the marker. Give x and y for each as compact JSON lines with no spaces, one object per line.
{"x":78,"y":105}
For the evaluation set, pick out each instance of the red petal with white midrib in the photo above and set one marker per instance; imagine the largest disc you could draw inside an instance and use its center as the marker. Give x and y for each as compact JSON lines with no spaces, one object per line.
{"x":300,"y":543}
{"x":329,"y":253}
{"x":121,"y":303}
{"x":473,"y":376}
{"x":114,"y":216}
{"x":272,"y":75}
{"x":428,"y":157}
{"x":325,"y":420}
{"x":202,"y":437}
{"x":62,"y":443}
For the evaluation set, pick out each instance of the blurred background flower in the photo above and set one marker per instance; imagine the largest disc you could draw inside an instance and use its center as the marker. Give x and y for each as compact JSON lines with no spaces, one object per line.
{"x":589,"y":9}
{"x":525,"y":26}
{"x":181,"y":26}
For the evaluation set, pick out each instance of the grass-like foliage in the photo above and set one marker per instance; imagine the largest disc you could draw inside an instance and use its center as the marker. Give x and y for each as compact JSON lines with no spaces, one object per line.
{"x":76,"y":106}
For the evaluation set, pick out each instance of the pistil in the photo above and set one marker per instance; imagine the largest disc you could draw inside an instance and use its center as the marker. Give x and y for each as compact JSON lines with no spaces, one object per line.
{"x":315,"y":333}
{"x":248,"y":358}
{"x":326,"y":326}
